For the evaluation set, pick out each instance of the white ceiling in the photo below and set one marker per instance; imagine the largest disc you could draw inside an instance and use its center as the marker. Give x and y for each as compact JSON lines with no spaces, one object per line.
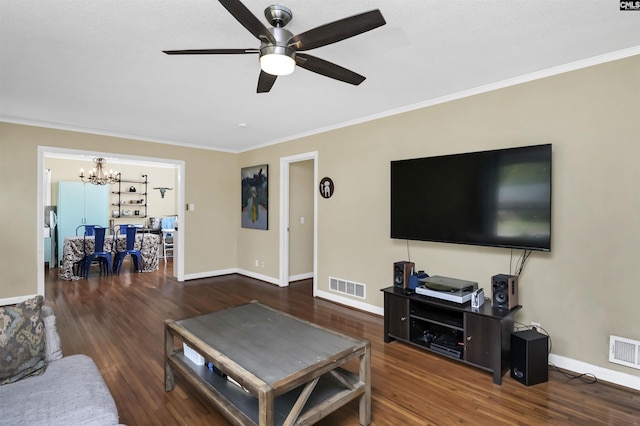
{"x":96,"y":66}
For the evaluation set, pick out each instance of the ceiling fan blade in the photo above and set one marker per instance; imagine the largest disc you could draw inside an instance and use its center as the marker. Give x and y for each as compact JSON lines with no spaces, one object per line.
{"x":337,"y":30}
{"x":248,"y":19}
{"x":210,"y":51}
{"x":328,"y":69}
{"x":265,"y":82}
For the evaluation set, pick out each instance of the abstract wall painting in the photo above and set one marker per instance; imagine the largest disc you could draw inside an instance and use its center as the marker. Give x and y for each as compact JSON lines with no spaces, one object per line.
{"x":255,"y":197}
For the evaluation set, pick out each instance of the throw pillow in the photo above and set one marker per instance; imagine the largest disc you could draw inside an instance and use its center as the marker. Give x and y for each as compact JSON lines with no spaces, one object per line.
{"x":52,"y":349}
{"x":22,"y":340}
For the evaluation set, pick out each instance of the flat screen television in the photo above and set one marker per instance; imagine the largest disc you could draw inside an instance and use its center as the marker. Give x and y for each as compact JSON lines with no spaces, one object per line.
{"x":499,"y":198}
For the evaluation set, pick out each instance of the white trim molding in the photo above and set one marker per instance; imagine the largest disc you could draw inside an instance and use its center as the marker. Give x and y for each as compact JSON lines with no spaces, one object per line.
{"x":19,"y":299}
{"x":605,"y":374}
{"x":300,"y":277}
{"x":220,"y":272}
{"x":350,"y":302}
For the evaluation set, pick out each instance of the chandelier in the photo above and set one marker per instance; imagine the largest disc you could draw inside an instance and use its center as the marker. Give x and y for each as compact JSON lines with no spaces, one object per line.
{"x":97,"y":175}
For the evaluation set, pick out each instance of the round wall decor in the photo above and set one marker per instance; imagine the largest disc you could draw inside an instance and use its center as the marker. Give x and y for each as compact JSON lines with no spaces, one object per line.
{"x":326,"y":187}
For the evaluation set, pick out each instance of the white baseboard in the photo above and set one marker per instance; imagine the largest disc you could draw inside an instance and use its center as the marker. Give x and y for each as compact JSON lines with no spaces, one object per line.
{"x":17,"y":299}
{"x":350,"y":302}
{"x":251,"y":274}
{"x":229,"y":271}
{"x":209,"y":274}
{"x":611,"y":376}
{"x":260,"y":277}
{"x":301,"y":277}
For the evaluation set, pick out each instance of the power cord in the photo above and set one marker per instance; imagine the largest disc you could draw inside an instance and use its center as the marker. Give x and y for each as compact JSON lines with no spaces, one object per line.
{"x":587,"y":378}
{"x":520,"y":264}
{"x":511,"y":263}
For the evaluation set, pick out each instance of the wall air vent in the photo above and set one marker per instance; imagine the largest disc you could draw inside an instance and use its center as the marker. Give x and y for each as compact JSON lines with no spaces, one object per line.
{"x":347,"y":287}
{"x":624,"y":351}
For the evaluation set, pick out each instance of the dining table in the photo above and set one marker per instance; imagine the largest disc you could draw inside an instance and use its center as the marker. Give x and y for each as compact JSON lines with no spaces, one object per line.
{"x":77,"y":247}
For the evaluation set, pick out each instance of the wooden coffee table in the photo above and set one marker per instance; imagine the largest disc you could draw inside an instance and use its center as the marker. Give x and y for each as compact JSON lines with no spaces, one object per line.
{"x":287,"y":371}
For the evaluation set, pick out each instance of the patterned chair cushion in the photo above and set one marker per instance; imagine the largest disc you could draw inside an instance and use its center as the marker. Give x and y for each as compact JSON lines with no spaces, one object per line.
{"x":22,"y":340}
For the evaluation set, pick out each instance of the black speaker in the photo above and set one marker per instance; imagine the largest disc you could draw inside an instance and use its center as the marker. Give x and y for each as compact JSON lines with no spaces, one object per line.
{"x":529,"y":357}
{"x":504,"y":291}
{"x":401,"y":273}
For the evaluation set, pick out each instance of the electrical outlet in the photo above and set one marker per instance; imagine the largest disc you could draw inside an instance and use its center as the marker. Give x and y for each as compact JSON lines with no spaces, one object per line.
{"x":262,"y":264}
{"x":536,"y":325}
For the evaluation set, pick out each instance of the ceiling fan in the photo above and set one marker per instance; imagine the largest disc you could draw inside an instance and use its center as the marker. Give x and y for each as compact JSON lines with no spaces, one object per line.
{"x":280,"y":50}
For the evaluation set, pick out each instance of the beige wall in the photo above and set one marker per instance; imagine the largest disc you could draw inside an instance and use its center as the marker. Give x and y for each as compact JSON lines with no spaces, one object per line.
{"x":581,"y":292}
{"x":210,"y":180}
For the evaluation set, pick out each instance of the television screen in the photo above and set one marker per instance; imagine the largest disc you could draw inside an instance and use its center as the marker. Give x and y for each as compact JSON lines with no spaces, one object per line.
{"x":498,"y":198}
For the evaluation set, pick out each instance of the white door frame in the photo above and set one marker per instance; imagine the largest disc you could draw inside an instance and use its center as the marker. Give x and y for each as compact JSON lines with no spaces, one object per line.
{"x":284,"y":215}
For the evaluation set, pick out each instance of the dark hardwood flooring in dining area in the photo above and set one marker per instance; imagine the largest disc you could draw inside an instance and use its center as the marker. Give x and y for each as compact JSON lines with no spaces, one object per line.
{"x":119,"y":322}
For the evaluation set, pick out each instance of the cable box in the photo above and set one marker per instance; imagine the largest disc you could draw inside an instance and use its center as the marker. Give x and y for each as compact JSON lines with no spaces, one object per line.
{"x":457,"y":353}
{"x":447,"y":345}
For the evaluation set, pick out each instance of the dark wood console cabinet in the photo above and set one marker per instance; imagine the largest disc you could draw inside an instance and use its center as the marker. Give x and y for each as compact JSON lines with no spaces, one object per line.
{"x":483,"y":335}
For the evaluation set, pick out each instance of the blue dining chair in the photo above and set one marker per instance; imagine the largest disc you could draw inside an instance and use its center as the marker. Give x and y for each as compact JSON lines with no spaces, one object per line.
{"x":99,"y":254}
{"x":136,"y":256}
{"x":83,"y":230}
{"x":122,"y":229}
{"x":86,"y":230}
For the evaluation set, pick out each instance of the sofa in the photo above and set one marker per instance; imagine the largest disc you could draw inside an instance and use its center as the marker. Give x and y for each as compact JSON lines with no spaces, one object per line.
{"x":38,"y":385}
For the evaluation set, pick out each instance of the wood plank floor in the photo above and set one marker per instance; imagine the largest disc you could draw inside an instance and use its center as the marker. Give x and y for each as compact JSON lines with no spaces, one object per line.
{"x":118,"y":321}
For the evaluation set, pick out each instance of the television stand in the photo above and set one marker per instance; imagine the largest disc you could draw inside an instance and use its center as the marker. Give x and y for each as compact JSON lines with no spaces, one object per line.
{"x":479,"y":337}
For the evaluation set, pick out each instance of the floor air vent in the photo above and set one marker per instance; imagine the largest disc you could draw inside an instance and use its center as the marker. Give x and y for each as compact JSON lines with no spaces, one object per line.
{"x":347,"y":287}
{"x":624,"y":351}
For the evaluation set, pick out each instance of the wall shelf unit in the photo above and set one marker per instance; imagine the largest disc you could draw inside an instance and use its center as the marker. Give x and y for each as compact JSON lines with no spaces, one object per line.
{"x":131,"y":201}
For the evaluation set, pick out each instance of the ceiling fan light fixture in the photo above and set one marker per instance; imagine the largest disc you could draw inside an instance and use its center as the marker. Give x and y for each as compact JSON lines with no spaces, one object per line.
{"x":277,"y":60}
{"x":277,"y":64}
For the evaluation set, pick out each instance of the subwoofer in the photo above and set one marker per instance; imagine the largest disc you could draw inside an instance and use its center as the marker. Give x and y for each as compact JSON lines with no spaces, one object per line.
{"x":401,"y":273}
{"x":529,"y":357}
{"x":504,"y":291}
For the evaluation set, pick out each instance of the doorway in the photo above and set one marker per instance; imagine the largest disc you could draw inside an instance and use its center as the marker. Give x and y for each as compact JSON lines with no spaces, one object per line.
{"x":289,"y":165}
{"x":113,"y":158}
